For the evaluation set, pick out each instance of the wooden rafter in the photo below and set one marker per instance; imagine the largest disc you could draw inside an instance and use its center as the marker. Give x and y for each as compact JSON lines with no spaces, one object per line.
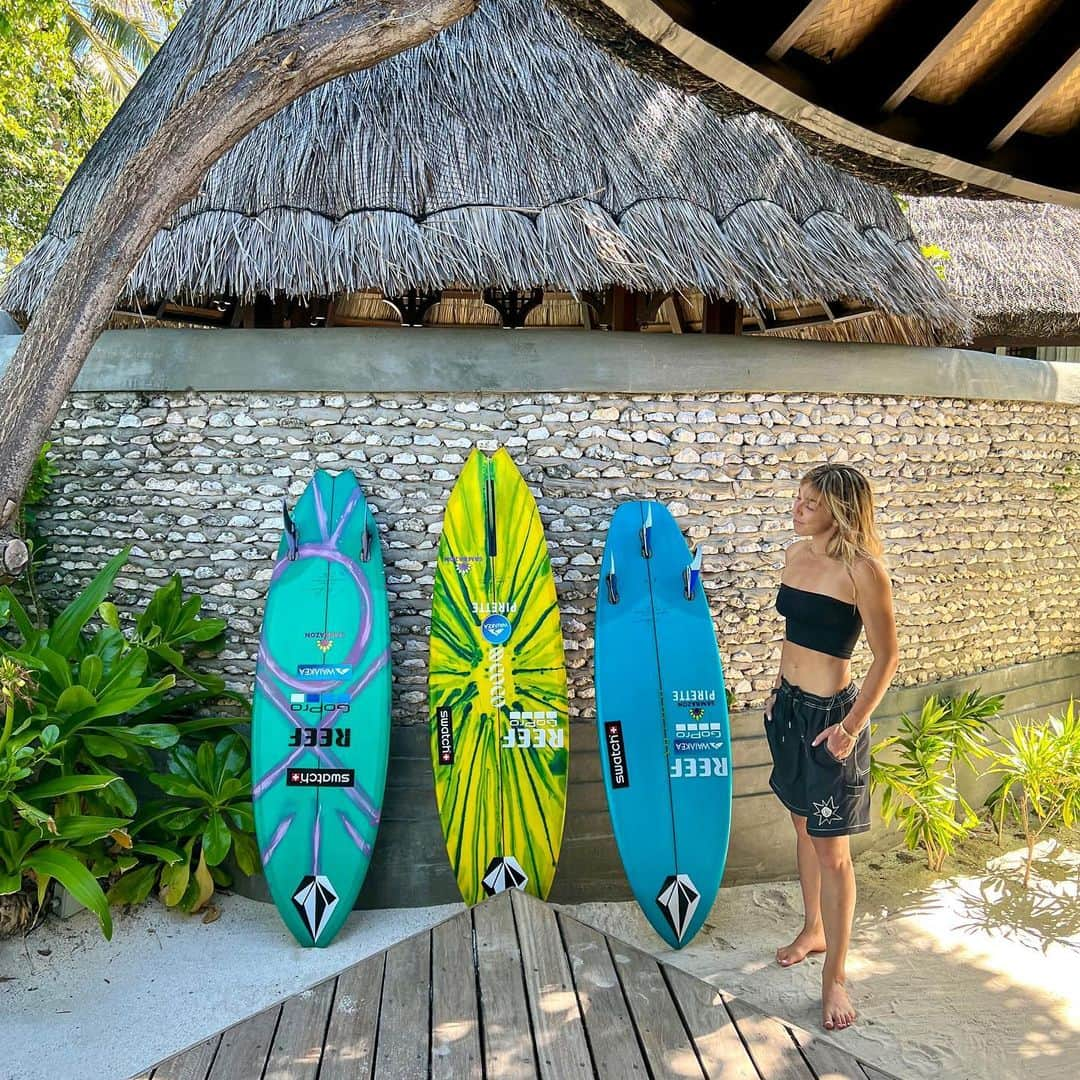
{"x":800,"y":13}
{"x":994,"y":109}
{"x":1048,"y":88}
{"x":936,"y":26}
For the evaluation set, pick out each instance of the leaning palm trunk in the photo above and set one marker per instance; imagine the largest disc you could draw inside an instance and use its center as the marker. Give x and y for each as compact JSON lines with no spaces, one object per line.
{"x":164,"y":175}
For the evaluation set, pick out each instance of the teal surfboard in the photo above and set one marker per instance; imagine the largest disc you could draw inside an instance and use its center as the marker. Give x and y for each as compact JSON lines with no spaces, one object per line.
{"x":320,"y":727}
{"x":662,"y":720}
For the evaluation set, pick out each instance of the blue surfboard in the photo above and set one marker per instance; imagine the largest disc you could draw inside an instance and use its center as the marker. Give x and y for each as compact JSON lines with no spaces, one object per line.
{"x":662,"y":720}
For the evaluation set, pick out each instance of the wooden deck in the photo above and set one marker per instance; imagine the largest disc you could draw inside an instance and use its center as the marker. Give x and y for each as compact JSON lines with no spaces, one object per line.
{"x":512,"y":989}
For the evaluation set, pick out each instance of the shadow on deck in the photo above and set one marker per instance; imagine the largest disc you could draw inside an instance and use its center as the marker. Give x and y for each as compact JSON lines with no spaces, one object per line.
{"x":512,"y":989}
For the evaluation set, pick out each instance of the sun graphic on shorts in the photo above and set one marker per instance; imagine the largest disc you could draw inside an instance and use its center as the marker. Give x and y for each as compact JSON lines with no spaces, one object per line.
{"x":827,"y":812}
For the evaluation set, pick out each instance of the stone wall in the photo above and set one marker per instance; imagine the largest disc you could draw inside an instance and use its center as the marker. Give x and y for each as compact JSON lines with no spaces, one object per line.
{"x":978,"y":506}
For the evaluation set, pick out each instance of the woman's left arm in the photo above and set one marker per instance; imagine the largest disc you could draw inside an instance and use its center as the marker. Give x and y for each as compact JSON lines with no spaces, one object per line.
{"x":876,"y":608}
{"x":874,"y":597}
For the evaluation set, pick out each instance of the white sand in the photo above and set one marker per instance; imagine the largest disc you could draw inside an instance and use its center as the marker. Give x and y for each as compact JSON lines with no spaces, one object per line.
{"x":966,"y":979}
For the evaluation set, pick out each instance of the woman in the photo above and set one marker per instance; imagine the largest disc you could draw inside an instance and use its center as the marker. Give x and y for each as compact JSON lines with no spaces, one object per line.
{"x":816,"y":720}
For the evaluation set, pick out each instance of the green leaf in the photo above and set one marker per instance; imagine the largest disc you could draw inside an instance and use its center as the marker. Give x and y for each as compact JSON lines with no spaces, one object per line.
{"x":57,"y":666}
{"x":120,"y":797}
{"x":216,"y":839}
{"x":209,"y":723}
{"x":175,"y":705}
{"x":134,"y":887}
{"x":159,"y":736}
{"x":104,"y":746}
{"x":122,"y":701}
{"x":167,"y":855}
{"x":50,"y":735}
{"x":181,"y":822}
{"x":90,"y":671}
{"x":64,"y":785}
{"x":68,"y":625}
{"x":174,"y":880}
{"x":179,"y":786}
{"x":57,"y":863}
{"x":86,"y":827}
{"x":10,"y":883}
{"x":109,"y":615}
{"x":31,"y":814}
{"x":221,"y":877}
{"x":18,"y":615}
{"x":75,"y":699}
{"x":246,"y":852}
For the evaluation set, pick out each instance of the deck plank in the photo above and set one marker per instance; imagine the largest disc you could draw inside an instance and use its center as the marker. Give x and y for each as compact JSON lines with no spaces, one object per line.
{"x":190,"y":1064}
{"x":668,"y":1048}
{"x":513,"y":989}
{"x":504,"y":1012}
{"x":403,"y":1047}
{"x":827,"y":1061}
{"x":608,"y":1026}
{"x":561,"y":1048}
{"x":714,"y":1033}
{"x":349,"y":1052}
{"x":245,"y":1046}
{"x":771,"y":1046}
{"x":298,"y":1042}
{"x":455,"y":1018}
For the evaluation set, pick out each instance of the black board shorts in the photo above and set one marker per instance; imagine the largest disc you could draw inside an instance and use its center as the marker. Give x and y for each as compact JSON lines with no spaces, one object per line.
{"x":833,"y":795}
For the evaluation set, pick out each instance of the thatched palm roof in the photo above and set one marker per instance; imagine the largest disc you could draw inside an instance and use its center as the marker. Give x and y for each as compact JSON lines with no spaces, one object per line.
{"x":1015,"y":265}
{"x":508,"y":151}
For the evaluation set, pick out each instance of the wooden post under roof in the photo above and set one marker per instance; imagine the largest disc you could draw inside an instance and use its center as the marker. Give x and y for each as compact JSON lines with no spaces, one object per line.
{"x":722,"y":317}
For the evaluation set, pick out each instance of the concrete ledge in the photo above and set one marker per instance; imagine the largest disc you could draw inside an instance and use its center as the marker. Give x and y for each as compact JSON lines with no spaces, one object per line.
{"x":537,"y":361}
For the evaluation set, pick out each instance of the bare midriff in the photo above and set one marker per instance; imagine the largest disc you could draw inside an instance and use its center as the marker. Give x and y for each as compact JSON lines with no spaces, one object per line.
{"x":815,"y":672}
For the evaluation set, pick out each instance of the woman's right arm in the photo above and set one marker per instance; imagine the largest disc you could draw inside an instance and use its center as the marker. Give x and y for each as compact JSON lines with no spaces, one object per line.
{"x":770,"y":701}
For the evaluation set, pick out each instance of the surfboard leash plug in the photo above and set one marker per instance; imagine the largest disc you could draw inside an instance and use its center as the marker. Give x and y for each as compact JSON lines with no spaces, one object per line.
{"x":291,"y":532}
{"x":612,"y":585}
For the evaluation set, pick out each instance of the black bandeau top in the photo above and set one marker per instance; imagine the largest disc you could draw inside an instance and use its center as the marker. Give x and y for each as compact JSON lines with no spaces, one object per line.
{"x":819,"y":622}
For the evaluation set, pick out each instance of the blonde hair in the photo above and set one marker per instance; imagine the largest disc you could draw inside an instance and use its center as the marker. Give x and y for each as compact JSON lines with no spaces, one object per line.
{"x":846,"y":494}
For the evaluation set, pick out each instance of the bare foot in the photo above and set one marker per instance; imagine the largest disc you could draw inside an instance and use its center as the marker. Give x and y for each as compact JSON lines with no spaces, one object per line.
{"x":837,"y":1012}
{"x":808,"y":941}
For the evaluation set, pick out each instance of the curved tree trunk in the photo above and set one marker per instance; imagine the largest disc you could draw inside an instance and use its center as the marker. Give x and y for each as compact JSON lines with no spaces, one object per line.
{"x":165,"y":174}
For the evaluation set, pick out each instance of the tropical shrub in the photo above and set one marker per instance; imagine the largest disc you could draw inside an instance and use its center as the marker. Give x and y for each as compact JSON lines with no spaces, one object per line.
{"x":33,"y":841}
{"x":918,"y":783}
{"x":1039,"y":766}
{"x":188,"y":835}
{"x":89,"y":715}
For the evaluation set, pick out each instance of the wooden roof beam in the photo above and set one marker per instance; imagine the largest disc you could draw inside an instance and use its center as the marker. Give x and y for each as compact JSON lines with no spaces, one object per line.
{"x":797,"y":16}
{"x":997,"y":105}
{"x":929,"y":30}
{"x":1020,"y":117}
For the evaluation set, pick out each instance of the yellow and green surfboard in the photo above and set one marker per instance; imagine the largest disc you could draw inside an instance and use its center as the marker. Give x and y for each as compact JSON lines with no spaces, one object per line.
{"x":497,"y":686}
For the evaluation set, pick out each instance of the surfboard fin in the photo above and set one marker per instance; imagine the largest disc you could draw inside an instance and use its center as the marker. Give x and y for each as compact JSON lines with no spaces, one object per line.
{"x":692,"y":576}
{"x":612,"y":586}
{"x":646,"y":536}
{"x":291,"y":532}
